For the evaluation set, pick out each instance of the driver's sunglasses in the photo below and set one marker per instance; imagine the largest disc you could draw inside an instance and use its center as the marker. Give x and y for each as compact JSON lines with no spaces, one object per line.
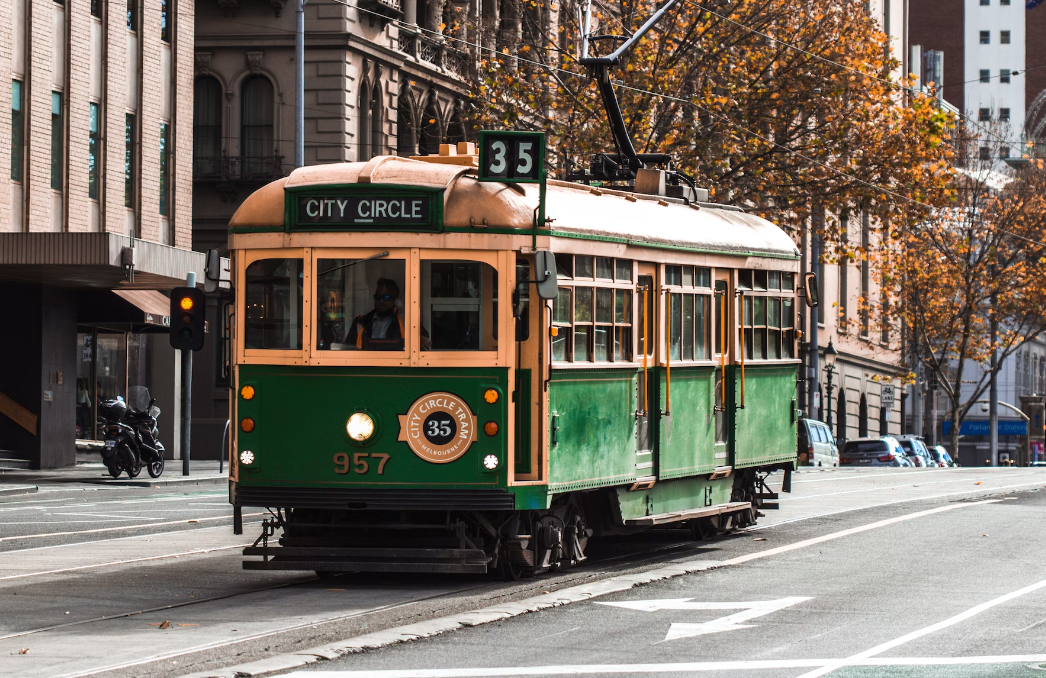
{"x":383,"y":297}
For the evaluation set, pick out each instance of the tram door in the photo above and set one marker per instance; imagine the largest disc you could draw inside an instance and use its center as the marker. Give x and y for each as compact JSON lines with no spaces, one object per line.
{"x":723,"y":341}
{"x":647,"y":409}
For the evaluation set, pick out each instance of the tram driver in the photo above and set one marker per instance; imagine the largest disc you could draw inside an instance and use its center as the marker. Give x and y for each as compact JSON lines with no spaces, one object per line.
{"x":382,"y":329}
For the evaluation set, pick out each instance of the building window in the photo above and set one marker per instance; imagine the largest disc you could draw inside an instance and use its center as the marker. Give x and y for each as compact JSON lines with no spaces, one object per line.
{"x":985,"y":153}
{"x":257,"y":143}
{"x":986,"y":75}
{"x":96,"y":8}
{"x":94,"y":148}
{"x":593,"y":312}
{"x":132,"y":15}
{"x":985,"y":3}
{"x":17,"y":130}
{"x":1004,"y":37}
{"x":1004,"y":2}
{"x":986,"y":37}
{"x":128,"y":160}
{"x":206,"y":126}
{"x":377,"y":145}
{"x":165,"y":169}
{"x":1004,"y":75}
{"x":984,"y":115}
{"x":56,"y":141}
{"x":364,"y":120}
{"x":165,"y":30}
{"x":1004,"y":152}
{"x":1004,"y":114}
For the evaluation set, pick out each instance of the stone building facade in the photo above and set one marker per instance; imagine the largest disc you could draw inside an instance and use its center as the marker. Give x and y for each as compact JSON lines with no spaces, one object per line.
{"x":95,"y":196}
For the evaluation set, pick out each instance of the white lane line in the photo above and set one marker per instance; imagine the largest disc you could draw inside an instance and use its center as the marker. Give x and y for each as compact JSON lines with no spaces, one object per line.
{"x":682,"y":667}
{"x":22,"y":505}
{"x":885,"y":473}
{"x":122,"y":527}
{"x":106,"y":515}
{"x":573,"y":594}
{"x":191,"y":552}
{"x":927,"y":630}
{"x":147,"y":537}
{"x":864,"y":507}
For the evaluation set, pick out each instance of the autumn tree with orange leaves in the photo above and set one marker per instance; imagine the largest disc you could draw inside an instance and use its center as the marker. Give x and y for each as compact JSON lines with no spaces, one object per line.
{"x":972,"y":276}
{"x":780,"y":107}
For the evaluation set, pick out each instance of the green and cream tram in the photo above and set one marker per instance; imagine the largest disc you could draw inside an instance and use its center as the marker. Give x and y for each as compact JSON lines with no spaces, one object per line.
{"x":427,"y":381}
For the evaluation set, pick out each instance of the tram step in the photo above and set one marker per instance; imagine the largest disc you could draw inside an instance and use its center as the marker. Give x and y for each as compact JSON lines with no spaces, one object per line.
{"x":661,"y":518}
{"x":335,"y":559}
{"x":766,"y":495}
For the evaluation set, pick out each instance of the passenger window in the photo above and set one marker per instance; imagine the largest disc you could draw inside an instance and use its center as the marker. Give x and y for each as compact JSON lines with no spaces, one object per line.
{"x":273,"y":317}
{"x":359,"y":304}
{"x":458,"y":306}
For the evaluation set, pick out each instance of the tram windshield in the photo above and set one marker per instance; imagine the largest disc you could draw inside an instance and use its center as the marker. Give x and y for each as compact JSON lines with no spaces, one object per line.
{"x":359,"y":305}
{"x":274,"y":304}
{"x":459,"y":305}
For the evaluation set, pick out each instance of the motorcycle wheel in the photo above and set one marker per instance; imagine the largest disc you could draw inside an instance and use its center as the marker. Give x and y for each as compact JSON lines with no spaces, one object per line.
{"x":134,"y":470}
{"x":114,"y":470}
{"x":155,"y":468}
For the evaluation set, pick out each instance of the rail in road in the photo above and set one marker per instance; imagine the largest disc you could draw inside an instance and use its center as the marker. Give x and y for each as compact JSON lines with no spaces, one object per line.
{"x":84,"y":602}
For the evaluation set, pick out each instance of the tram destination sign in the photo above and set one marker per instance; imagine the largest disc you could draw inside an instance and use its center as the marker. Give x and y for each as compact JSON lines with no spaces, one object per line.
{"x":512,"y":157}
{"x":366,"y":209}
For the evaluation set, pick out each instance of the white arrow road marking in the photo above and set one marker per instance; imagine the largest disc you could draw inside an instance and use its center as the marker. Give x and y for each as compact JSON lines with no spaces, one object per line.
{"x":731,"y":622}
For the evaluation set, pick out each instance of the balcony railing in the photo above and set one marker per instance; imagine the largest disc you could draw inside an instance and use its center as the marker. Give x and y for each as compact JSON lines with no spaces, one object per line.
{"x":228,"y":173}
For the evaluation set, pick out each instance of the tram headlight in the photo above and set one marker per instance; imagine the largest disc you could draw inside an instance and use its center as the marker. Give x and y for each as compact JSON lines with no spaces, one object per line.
{"x":490,"y":462}
{"x":246,"y":457}
{"x":360,"y":426}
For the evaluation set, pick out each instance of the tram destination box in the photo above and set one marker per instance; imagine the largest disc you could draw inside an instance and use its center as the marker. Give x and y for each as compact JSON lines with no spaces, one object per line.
{"x":366,"y":207}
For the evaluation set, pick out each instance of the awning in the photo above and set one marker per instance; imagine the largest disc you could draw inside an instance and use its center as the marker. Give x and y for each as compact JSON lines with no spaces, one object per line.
{"x":155,"y":305}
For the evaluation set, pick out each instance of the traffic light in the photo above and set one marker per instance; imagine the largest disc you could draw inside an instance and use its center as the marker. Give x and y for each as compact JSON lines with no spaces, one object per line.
{"x":187,"y":316}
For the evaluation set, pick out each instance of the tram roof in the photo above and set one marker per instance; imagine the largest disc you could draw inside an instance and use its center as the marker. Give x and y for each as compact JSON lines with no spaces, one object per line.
{"x":577,"y":210}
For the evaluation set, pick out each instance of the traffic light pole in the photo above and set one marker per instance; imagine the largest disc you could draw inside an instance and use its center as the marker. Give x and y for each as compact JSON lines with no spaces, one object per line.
{"x":190,"y":281}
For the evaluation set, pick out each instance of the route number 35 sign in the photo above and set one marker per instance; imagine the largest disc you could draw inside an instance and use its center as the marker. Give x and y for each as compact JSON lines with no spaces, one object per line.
{"x":512,"y":157}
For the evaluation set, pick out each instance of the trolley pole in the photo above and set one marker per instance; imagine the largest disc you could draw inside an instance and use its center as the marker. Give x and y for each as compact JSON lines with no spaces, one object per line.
{"x":299,"y":86}
{"x":190,"y":281}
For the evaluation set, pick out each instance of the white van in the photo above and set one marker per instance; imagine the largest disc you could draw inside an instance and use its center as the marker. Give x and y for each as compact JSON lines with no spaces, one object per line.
{"x":817,"y":444}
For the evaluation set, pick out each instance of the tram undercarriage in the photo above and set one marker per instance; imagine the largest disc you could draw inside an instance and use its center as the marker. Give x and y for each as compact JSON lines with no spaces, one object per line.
{"x":509,"y":542}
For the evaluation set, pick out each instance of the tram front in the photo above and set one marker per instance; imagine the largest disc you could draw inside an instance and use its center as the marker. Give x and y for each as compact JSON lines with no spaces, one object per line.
{"x":373,"y":365}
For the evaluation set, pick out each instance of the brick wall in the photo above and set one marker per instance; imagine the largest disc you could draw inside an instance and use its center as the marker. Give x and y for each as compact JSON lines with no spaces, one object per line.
{"x":151,"y":110}
{"x":1034,"y":57}
{"x":113,"y":132}
{"x":181,"y":152}
{"x":6,"y":42}
{"x":939,"y":24}
{"x":78,"y":107}
{"x":38,"y":118}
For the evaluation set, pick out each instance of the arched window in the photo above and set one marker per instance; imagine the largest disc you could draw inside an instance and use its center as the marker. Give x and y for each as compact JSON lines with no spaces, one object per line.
{"x":406,"y":142}
{"x":377,"y":105}
{"x":363,"y":136}
{"x":862,"y":418}
{"x":257,"y":140}
{"x":206,"y":126}
{"x":430,"y":131}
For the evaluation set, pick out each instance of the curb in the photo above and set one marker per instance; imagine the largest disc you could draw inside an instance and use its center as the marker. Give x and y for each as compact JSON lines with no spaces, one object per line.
{"x":18,"y":489}
{"x":435,"y":627}
{"x":160,"y":482}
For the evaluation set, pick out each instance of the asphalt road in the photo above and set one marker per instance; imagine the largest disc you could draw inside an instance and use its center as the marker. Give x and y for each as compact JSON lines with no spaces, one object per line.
{"x":88,"y":578}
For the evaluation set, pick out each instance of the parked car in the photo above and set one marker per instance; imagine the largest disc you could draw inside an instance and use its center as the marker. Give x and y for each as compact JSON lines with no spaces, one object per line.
{"x":816,"y":444}
{"x":916,"y":450}
{"x":941,"y":456}
{"x":885,"y":451}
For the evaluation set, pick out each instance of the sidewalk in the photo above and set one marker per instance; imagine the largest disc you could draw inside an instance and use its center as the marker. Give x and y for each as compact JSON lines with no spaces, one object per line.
{"x":89,"y":470}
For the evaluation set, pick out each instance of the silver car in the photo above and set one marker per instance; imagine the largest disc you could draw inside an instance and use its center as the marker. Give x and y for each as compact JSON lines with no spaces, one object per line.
{"x":885,"y":451}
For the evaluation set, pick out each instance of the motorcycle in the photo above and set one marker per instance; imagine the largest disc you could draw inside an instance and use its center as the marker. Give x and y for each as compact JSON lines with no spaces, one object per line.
{"x":131,"y":439}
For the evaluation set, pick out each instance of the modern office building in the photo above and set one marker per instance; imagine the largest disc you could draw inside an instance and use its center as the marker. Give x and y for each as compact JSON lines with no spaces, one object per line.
{"x":95,"y":212}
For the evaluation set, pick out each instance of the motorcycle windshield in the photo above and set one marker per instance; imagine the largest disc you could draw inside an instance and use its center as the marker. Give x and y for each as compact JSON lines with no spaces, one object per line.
{"x":138,"y":397}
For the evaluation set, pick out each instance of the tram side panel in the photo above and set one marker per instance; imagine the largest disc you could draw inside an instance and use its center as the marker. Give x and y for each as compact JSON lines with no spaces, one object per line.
{"x":686,"y":445}
{"x":765,"y":429}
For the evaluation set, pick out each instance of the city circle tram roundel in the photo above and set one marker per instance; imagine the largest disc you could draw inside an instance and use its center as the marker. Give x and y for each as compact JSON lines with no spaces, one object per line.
{"x":439,"y":427}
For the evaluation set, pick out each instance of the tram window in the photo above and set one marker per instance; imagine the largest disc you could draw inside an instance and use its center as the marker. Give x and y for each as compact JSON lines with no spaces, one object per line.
{"x":521,"y":301}
{"x":561,"y":316}
{"x":688,"y":276}
{"x":703,"y":277}
{"x":459,"y":304}
{"x":583,"y":267}
{"x":759,"y":277}
{"x":593,"y":324}
{"x":623,"y":270}
{"x":721,"y":311}
{"x":744,"y":279}
{"x":689,"y":334}
{"x":674,"y":275}
{"x":788,"y":282}
{"x":769,"y":327}
{"x":274,"y":304}
{"x":565,"y":266}
{"x":359,"y":304}
{"x":773,"y":280}
{"x":623,"y":325}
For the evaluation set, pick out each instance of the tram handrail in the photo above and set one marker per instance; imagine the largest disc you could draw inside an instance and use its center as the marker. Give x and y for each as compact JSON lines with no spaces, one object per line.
{"x":742,"y":326}
{"x":668,"y":355}
{"x":646,"y":332}
{"x":722,"y":348}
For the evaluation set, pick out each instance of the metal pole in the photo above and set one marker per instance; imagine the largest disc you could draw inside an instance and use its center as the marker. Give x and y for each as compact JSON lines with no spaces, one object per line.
{"x":993,"y":398}
{"x":828,"y":404}
{"x":813,"y":359}
{"x":299,"y":86}
{"x":190,"y":281}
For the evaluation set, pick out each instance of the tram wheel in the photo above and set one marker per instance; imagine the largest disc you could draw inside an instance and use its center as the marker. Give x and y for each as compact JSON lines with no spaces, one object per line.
{"x":510,"y":571}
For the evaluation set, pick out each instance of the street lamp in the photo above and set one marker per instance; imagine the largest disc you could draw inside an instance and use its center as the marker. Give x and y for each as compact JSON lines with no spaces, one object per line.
{"x":830,"y":354}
